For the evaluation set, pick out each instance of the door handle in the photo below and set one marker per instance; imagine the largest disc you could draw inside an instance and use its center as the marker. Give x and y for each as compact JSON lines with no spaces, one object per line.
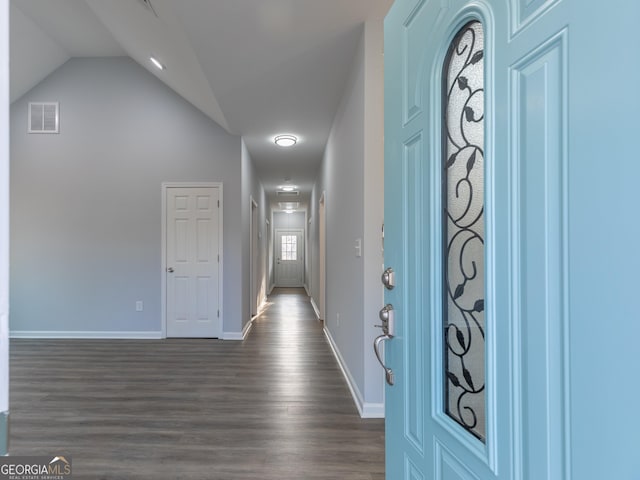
{"x":170,"y":269}
{"x":387,"y":316}
{"x":388,"y":373}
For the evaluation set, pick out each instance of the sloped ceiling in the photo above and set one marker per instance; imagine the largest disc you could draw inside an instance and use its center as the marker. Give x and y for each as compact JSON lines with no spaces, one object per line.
{"x":256,"y":67}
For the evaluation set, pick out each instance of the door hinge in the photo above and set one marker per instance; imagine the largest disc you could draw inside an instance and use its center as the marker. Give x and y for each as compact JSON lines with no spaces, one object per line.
{"x":218,"y":258}
{"x":218,"y":313}
{"x":218,"y":203}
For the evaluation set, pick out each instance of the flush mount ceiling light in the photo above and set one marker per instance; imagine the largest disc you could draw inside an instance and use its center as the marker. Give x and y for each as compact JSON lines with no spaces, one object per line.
{"x":285,"y":140}
{"x":157,"y":63}
{"x":287,"y":188}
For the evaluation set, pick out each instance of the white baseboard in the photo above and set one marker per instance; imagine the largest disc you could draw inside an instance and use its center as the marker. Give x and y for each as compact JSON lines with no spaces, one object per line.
{"x":306,"y":289}
{"x":232,"y":336}
{"x":366,"y":410}
{"x":86,"y":335}
{"x":245,"y":330}
{"x":373,"y":410}
{"x":315,"y":308}
{"x":238,"y":336}
{"x":263,"y":305}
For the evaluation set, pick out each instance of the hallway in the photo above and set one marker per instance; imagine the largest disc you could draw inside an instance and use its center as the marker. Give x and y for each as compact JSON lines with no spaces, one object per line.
{"x":273,"y":407}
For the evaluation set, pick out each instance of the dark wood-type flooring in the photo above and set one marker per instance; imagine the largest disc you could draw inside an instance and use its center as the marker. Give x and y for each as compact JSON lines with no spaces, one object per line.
{"x":273,"y":407}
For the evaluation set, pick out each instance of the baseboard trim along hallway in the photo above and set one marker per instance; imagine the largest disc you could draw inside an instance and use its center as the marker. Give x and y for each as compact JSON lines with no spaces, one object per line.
{"x":85,"y":335}
{"x":366,"y":409}
{"x":315,"y":308}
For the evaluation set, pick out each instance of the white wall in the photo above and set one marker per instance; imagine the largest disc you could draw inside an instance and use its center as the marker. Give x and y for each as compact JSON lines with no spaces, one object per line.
{"x":4,"y":226}
{"x":86,"y":204}
{"x":351,"y":177}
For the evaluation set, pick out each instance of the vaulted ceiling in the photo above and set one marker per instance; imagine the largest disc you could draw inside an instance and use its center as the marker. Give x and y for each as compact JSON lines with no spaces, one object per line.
{"x":256,"y":67}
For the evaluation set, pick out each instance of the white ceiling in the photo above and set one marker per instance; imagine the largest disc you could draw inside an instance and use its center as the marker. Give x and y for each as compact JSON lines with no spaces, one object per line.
{"x":256,"y":67}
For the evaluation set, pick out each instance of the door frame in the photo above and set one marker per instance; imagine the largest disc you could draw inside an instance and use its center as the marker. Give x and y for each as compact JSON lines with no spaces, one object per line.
{"x":254,"y":249}
{"x":297,"y":231}
{"x":163,"y":260}
{"x":322,"y":255}
{"x":4,"y":230}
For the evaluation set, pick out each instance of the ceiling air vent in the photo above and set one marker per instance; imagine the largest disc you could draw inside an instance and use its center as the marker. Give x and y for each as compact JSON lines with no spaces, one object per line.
{"x":44,"y":117}
{"x":293,"y":194}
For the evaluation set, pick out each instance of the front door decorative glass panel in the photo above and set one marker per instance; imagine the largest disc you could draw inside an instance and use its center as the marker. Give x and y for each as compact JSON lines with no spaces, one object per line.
{"x":463,"y":229}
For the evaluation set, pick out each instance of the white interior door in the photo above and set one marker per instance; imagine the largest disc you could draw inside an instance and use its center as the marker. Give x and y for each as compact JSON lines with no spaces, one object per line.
{"x":192,"y":262}
{"x":289,"y":258}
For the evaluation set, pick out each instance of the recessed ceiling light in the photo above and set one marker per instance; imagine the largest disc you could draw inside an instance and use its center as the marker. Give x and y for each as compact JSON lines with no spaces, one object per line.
{"x":285,"y":140}
{"x":157,"y":63}
{"x":288,"y":211}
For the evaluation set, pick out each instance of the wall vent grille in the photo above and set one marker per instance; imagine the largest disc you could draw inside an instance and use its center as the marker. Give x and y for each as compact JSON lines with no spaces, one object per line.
{"x":44,"y":117}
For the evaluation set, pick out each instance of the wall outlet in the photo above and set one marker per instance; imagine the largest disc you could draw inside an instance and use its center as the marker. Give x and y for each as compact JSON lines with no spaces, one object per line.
{"x":139,"y":306}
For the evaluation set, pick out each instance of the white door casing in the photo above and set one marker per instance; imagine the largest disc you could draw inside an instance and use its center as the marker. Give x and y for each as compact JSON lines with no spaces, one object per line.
{"x":322,"y":255}
{"x":4,"y":229}
{"x":192,"y":260}
{"x":254,"y":277}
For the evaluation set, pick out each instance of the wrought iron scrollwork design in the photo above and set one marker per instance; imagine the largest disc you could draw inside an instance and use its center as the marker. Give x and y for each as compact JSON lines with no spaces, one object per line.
{"x":463,"y":229}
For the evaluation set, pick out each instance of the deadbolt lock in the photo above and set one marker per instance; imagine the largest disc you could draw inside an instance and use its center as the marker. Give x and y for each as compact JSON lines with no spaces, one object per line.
{"x":389,"y":278}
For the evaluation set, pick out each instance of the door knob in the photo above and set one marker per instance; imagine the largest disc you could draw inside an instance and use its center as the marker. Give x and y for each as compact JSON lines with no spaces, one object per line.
{"x":387,"y":316}
{"x":389,"y":278}
{"x":170,"y":269}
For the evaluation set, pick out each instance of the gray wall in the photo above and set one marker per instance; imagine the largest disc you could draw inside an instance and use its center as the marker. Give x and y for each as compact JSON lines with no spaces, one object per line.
{"x":351,"y":176}
{"x":86,"y":204}
{"x":252,"y":188}
{"x":295,"y":220}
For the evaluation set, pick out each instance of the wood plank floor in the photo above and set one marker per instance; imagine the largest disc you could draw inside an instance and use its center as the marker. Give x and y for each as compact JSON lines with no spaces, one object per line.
{"x":274,"y":407}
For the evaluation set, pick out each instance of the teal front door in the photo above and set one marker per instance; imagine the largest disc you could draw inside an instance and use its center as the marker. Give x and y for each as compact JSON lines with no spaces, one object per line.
{"x":512,"y":227}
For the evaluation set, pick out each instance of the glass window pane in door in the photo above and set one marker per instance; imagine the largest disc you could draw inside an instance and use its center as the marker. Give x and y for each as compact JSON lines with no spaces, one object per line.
{"x":463,"y":230}
{"x":289,"y":247}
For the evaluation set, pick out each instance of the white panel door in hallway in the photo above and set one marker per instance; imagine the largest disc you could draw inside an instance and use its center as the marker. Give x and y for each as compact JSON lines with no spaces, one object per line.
{"x":193,"y":233}
{"x":289,"y":257}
